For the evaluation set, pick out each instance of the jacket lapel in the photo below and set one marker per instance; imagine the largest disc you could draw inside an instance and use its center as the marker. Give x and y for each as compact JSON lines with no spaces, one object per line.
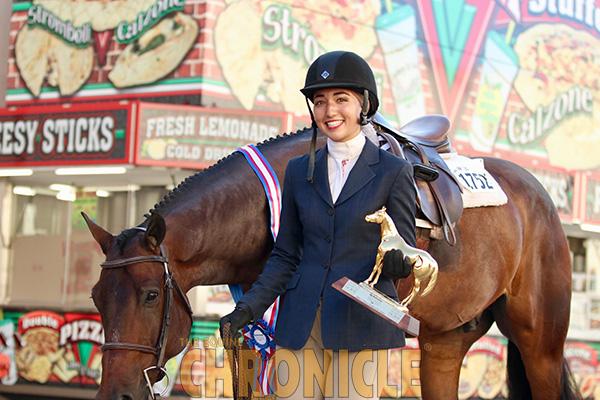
{"x":321,"y":176}
{"x":361,"y":173}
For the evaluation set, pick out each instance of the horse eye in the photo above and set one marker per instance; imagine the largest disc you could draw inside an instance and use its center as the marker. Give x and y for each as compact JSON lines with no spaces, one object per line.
{"x":152,"y":296}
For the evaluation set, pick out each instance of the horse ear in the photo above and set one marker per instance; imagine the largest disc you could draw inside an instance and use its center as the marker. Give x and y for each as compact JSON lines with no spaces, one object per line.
{"x":156,"y":230}
{"x":104,"y":238}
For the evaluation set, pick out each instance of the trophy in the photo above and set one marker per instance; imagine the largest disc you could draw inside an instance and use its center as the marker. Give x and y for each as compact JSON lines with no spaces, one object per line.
{"x":424,"y":268}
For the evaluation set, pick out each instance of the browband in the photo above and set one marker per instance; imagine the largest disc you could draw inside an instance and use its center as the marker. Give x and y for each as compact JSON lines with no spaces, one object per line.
{"x":132,"y":260}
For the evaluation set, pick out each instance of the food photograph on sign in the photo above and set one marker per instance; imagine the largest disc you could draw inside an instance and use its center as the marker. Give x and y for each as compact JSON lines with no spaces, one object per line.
{"x":57,"y":44}
{"x":529,"y":91}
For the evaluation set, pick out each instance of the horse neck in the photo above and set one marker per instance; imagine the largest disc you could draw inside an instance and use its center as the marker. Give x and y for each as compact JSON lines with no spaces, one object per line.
{"x":221,"y":226}
{"x":388,"y":227}
{"x":213,"y":234}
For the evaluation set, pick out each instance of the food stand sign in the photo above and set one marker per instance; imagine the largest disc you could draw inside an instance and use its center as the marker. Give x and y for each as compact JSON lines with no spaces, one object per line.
{"x":49,"y":347}
{"x":57,"y":135}
{"x":62,"y":47}
{"x":196,"y":137}
{"x":561,"y":188}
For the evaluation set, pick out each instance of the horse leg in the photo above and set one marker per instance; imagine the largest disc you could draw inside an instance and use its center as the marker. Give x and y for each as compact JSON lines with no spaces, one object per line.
{"x":535,"y":356}
{"x":441,"y":359}
{"x":534,"y":315}
{"x":542,"y":358}
{"x":377,"y":269}
{"x":534,"y":371}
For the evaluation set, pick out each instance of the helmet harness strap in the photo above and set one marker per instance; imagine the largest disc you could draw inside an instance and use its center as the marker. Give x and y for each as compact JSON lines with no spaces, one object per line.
{"x":313,"y":145}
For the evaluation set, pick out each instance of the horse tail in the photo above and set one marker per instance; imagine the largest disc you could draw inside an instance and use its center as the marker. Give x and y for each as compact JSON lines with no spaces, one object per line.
{"x":569,"y":389}
{"x":431,"y":283}
{"x":518,"y":385}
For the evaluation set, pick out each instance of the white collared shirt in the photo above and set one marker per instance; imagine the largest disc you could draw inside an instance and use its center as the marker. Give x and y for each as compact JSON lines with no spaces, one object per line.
{"x":341,"y":158}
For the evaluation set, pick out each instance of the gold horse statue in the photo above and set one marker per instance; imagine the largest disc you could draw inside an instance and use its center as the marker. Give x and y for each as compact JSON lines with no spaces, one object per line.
{"x":424,"y":265}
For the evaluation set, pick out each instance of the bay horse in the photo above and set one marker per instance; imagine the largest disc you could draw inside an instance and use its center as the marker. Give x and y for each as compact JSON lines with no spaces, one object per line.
{"x":510,"y":265}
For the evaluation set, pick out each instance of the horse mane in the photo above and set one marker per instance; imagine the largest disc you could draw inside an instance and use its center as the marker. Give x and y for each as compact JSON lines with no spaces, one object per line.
{"x":190,"y":182}
{"x":124,"y":237}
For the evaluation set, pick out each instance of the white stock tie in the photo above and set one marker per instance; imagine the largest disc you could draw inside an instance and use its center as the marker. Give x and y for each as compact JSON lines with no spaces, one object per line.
{"x":340,"y":179}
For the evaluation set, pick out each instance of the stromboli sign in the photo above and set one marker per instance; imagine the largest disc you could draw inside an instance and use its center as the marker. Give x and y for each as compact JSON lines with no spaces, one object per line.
{"x":79,"y":36}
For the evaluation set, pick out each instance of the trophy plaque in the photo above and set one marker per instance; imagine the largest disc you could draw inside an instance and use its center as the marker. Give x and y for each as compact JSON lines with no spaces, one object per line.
{"x":424,"y":268}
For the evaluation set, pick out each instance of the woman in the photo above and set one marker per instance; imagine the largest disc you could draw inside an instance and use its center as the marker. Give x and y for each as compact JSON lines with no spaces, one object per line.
{"x":324,"y":236}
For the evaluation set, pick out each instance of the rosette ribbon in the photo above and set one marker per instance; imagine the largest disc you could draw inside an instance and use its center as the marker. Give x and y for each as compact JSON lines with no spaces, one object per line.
{"x":259,"y":336}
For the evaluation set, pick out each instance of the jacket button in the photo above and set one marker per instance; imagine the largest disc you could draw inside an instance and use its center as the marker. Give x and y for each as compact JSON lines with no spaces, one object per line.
{"x":328,"y":239}
{"x":330,"y":211}
{"x":326,"y":265}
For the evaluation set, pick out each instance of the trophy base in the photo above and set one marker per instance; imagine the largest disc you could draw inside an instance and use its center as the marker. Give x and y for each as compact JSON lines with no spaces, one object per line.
{"x":379,"y":303}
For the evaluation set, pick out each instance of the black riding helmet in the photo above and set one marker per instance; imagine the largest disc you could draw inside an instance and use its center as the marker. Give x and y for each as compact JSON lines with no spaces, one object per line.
{"x":342,"y":69}
{"x":345,"y":70}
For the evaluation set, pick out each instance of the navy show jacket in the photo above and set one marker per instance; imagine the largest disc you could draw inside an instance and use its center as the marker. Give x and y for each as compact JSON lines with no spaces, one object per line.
{"x":320,"y":242}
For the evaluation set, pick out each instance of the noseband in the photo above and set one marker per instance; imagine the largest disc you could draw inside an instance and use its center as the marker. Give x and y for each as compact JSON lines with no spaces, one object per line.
{"x":159,"y":349}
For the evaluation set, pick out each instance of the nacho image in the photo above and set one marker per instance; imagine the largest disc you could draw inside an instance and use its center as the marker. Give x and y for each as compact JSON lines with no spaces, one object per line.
{"x":156,"y":53}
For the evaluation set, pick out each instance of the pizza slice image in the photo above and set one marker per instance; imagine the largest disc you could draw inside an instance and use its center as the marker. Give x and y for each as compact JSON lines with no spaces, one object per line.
{"x":156,"y":53}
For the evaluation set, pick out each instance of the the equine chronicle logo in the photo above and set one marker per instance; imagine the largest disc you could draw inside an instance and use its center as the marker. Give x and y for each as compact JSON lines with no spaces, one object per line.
{"x":207,"y":354}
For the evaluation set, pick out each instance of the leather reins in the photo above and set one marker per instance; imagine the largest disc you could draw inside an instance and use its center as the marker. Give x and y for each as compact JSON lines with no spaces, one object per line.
{"x":160,"y":348}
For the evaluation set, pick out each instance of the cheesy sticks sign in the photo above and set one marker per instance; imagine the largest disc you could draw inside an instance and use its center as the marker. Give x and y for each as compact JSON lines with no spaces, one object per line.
{"x":62,"y":136}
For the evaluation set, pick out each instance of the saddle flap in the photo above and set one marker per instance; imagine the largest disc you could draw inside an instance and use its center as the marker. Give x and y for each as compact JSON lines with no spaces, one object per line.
{"x":450,"y":196}
{"x":439,"y":198}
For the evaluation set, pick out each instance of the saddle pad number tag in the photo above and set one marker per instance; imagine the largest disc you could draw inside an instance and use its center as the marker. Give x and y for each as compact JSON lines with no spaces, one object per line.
{"x":472,"y":176}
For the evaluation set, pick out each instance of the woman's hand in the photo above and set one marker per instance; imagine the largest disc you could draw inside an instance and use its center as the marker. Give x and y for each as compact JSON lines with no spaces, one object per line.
{"x":240,"y":317}
{"x":396,"y":265}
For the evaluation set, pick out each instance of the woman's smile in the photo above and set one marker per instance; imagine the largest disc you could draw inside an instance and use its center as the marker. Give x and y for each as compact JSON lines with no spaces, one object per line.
{"x":337,"y":113}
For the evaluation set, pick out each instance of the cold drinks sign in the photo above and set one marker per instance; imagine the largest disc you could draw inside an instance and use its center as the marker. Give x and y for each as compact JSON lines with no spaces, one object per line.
{"x":196,"y":137}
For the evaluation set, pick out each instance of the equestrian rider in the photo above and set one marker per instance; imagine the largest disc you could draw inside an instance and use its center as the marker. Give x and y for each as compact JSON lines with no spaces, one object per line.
{"x":323,"y":235}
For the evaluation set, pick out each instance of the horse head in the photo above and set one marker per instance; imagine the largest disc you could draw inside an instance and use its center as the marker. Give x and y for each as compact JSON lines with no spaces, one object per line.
{"x":377,"y":217}
{"x":143,"y":309}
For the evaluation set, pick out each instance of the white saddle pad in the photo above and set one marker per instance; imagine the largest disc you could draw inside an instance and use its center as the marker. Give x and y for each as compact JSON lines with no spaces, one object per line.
{"x":480,"y":189}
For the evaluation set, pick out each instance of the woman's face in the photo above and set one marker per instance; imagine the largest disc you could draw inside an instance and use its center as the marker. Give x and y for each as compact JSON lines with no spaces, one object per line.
{"x":337,"y":113}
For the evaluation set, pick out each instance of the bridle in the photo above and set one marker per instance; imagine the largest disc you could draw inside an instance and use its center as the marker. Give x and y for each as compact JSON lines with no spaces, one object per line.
{"x":159,"y":349}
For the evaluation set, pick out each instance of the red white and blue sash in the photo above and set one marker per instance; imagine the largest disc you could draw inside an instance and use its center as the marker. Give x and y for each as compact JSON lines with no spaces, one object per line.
{"x":259,"y":335}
